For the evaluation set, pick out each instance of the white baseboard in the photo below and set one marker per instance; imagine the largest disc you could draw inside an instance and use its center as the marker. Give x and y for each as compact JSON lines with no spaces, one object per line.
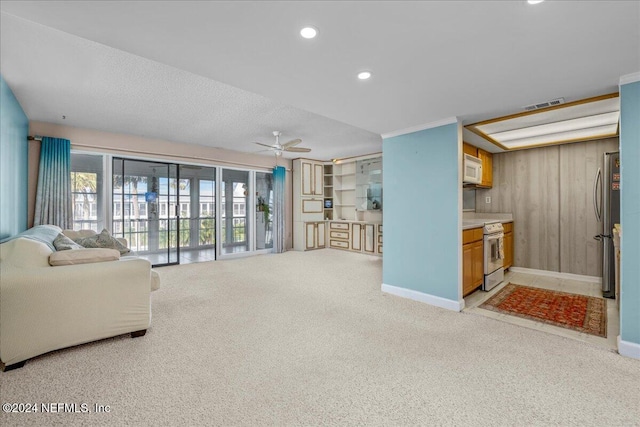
{"x":557,"y":274}
{"x":422,"y":297}
{"x":628,"y":349}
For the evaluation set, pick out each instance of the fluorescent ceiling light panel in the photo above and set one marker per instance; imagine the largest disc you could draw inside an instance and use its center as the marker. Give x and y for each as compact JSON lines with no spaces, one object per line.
{"x":577,"y":121}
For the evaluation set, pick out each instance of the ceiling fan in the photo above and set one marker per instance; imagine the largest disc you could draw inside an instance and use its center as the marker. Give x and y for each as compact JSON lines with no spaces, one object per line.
{"x":290,"y":146}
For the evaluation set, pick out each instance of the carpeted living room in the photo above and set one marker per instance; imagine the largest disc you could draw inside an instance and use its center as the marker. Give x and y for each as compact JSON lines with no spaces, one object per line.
{"x":193,"y":197}
{"x":284,"y":339}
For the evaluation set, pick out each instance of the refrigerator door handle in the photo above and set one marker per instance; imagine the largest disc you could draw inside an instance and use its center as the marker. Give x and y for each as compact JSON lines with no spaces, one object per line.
{"x":598,"y":209}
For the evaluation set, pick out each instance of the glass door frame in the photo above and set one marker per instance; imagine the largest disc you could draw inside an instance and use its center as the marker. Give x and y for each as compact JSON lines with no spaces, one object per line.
{"x":168,"y":165}
{"x":250,"y":212}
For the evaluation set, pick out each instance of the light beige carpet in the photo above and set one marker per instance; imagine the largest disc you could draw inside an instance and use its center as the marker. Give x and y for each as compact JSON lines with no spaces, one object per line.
{"x":309,"y":339}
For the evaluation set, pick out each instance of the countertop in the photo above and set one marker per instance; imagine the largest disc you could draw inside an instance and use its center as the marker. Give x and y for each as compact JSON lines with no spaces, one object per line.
{"x":477,"y":220}
{"x":353,"y":220}
{"x":477,"y":223}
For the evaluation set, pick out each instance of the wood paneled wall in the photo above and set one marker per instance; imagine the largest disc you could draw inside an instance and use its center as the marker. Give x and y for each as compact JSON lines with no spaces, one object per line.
{"x":550,"y":191}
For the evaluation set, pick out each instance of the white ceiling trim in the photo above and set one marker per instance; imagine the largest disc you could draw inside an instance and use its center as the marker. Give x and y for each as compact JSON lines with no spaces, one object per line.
{"x":630,"y":78}
{"x":437,"y":123}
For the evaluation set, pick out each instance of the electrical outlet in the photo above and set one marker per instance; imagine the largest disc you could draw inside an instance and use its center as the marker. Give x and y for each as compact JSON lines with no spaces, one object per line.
{"x":487,"y":199}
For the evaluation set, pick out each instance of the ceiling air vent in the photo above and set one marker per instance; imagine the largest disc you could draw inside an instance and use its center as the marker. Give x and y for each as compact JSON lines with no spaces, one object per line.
{"x":551,"y":103}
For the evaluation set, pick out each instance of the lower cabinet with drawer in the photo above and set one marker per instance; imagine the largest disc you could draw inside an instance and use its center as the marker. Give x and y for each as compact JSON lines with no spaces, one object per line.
{"x":356,"y":236}
{"x":472,"y":260}
{"x":339,"y":235}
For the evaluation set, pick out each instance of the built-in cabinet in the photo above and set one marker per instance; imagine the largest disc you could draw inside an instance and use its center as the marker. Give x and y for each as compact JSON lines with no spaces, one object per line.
{"x":487,"y":168}
{"x":328,"y":191}
{"x":308,"y":204}
{"x":315,"y":235}
{"x":472,"y":260}
{"x":356,"y":236}
{"x":487,"y":163}
{"x":508,"y":245}
{"x":312,"y":178}
{"x":344,"y":188}
{"x":325,"y":198}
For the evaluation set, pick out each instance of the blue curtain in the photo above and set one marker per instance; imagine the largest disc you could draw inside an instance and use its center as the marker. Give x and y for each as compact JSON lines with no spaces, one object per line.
{"x":53,"y":198}
{"x":279,"y":174}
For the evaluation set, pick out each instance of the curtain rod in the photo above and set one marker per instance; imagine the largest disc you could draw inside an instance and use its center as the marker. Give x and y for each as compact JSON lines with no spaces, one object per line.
{"x":179,"y":156}
{"x":39,"y":138}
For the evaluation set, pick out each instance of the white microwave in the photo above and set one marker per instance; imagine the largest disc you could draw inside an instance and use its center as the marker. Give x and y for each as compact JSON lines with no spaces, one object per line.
{"x":472,"y":170}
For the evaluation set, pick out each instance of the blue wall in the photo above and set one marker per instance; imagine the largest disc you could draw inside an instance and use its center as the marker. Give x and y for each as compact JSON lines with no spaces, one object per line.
{"x":421,"y":186}
{"x":630,"y":212}
{"x":14,"y":129}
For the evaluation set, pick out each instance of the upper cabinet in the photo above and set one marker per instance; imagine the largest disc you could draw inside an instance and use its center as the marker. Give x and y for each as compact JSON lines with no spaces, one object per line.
{"x":487,"y":163}
{"x":469,"y":149}
{"x":312,"y":175}
{"x":487,"y":168}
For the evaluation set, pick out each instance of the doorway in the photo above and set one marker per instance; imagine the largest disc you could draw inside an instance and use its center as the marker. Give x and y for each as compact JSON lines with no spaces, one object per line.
{"x":165,"y":211}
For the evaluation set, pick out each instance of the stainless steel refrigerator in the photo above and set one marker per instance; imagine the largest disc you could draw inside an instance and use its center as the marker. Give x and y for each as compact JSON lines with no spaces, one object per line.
{"x":606,"y":203}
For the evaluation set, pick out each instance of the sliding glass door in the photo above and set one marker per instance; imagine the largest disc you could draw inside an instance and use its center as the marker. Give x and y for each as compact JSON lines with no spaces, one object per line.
{"x":197,"y":213}
{"x":147,"y":208}
{"x":235,"y":211}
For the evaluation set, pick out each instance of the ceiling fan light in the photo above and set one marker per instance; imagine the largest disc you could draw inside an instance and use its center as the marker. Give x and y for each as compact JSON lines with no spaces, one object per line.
{"x":364,"y":75}
{"x":309,"y":32}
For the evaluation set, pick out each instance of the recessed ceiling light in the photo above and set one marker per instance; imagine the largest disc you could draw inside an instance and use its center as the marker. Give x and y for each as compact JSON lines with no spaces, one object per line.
{"x":309,"y":32}
{"x":534,"y":1}
{"x":364,"y":75}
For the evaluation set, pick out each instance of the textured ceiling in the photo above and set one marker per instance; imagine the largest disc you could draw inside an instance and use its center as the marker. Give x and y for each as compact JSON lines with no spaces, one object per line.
{"x":155,"y":68}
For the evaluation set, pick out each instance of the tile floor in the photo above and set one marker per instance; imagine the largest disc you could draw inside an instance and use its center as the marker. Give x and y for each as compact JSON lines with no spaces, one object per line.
{"x":475,"y":299}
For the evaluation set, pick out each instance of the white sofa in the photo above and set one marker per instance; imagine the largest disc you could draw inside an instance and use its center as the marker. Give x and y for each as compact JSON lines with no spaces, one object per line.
{"x":45,"y":308}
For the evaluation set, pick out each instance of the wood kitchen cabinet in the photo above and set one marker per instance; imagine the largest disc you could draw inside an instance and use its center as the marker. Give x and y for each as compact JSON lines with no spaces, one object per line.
{"x":472,"y":260}
{"x":487,"y":168}
{"x":487,"y":163}
{"x":508,"y":245}
{"x":469,"y":149}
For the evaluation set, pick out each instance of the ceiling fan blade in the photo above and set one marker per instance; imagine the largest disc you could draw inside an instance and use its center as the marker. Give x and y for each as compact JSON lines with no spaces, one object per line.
{"x":297,"y":149}
{"x":265,"y":145}
{"x":292,"y":143}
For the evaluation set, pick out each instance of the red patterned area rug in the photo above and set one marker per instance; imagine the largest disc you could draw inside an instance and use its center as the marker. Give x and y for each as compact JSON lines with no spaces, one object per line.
{"x":577,"y":312}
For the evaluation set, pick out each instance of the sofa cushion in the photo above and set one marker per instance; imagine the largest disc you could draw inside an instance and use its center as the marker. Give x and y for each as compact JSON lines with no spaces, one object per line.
{"x":102,"y":240}
{"x":40,"y":233}
{"x":63,"y":243}
{"x":83,"y":256}
{"x":25,"y":252}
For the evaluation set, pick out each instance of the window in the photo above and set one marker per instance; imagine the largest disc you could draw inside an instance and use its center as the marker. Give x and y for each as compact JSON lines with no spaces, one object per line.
{"x":86,"y":191}
{"x":142,"y":208}
{"x":239,"y":209}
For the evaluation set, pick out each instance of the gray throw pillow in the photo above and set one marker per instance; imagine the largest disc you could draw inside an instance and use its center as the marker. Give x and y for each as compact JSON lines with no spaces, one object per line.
{"x":63,"y":243}
{"x":103,"y":240}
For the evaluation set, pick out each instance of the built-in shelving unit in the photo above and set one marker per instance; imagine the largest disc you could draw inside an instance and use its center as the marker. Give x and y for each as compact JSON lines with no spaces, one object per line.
{"x":344,"y":190}
{"x":328,"y":191}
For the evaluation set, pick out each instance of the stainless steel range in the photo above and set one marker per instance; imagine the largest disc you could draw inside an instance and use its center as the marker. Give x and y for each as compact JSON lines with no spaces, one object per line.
{"x":493,"y":255}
